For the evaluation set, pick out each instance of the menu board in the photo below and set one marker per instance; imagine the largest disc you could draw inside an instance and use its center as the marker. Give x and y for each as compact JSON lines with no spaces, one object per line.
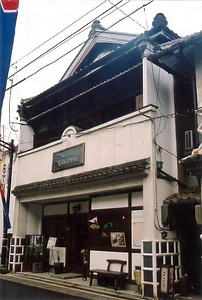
{"x":51,"y":242}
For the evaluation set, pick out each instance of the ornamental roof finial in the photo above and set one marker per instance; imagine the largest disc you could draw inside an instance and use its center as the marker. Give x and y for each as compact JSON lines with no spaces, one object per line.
{"x":159,"y":21}
{"x":96,"y":26}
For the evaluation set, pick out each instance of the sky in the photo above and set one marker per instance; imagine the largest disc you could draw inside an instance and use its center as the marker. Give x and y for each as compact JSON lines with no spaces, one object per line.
{"x":43,"y":24}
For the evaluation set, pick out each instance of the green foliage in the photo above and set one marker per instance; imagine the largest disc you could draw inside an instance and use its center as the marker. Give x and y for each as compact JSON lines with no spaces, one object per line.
{"x":35,"y":250}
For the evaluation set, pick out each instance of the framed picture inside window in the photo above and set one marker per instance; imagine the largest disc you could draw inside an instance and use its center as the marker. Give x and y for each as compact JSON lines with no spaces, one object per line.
{"x":118,"y":239}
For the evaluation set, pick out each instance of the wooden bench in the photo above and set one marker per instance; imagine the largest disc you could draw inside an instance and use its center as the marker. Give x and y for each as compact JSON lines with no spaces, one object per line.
{"x":119,"y":277}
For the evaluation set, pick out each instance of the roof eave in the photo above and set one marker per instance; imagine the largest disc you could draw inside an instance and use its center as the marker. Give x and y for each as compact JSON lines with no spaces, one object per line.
{"x":137,"y":168}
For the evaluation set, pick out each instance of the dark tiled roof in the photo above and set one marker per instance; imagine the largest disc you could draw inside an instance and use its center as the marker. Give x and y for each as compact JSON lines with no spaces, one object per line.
{"x":177,"y":56}
{"x":137,"y":167}
{"x":192,"y":195}
{"x":191,"y":160}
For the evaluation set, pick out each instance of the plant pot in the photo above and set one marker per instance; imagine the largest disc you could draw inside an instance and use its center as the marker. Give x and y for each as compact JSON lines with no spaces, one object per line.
{"x":4,"y":271}
{"x":37,"y":267}
{"x":58,"y":267}
{"x":184,"y":287}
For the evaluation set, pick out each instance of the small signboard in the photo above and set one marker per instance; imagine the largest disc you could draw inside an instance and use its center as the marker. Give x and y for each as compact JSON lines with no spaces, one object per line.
{"x":51,"y":242}
{"x":167,"y":280}
{"x":68,"y":158}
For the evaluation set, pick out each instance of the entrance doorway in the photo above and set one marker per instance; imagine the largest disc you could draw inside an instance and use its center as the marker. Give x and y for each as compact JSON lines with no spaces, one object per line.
{"x":71,"y":231}
{"x":77,"y":240}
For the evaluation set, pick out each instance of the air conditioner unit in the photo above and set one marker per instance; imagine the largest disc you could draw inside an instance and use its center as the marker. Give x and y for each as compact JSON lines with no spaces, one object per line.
{"x":198,"y":214}
{"x":188,"y":139}
{"x":165,"y":214}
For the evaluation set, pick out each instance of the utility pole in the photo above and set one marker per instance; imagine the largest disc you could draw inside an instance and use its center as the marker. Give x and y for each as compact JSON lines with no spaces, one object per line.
{"x":6,"y":240}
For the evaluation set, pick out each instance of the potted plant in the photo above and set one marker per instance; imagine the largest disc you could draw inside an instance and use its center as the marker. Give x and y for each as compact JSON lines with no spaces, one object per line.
{"x":58,"y":266}
{"x":36,"y":252}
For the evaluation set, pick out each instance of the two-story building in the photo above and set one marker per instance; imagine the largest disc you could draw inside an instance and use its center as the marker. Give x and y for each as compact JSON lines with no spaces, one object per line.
{"x":98,"y":155}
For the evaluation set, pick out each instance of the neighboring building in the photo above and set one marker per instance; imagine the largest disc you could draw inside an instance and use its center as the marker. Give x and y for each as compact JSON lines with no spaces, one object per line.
{"x":183,"y":59}
{"x":89,"y":153}
{"x":7,"y":181}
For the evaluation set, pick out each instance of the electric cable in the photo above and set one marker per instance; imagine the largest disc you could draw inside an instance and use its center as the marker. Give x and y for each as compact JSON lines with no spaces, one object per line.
{"x":84,"y":29}
{"x":48,"y":40}
{"x":156,"y":133}
{"x":61,"y":42}
{"x":129,"y":16}
{"x":115,"y":23}
{"x":9,"y":107}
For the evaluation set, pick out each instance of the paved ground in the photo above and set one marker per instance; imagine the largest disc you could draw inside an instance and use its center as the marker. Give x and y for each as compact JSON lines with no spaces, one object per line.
{"x":72,"y":284}
{"x":10,"y":290}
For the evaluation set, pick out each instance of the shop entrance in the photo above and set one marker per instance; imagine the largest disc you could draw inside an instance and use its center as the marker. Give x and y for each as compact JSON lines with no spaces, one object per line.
{"x":77,"y":235}
{"x":54,"y":226}
{"x":72,"y":233}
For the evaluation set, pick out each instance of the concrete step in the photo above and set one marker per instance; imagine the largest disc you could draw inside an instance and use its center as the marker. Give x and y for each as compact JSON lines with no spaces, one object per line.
{"x":71,"y":283}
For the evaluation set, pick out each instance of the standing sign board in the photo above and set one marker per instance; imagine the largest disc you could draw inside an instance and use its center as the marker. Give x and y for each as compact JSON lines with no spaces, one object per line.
{"x":51,"y":246}
{"x":167,"y":280}
{"x":51,"y":242}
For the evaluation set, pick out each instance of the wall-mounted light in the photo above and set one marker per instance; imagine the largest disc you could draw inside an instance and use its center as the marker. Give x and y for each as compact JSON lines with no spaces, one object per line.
{"x":159,"y":165}
{"x":192,"y":180}
{"x":164,"y":234}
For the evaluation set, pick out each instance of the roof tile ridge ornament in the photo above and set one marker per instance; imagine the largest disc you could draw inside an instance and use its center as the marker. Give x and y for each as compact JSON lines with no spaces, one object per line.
{"x":159,"y":21}
{"x":160,"y":33}
{"x":96,"y":27}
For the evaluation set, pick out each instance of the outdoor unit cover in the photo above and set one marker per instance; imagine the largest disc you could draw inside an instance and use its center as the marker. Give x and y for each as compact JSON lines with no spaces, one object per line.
{"x":198,"y":214}
{"x":165,"y":214}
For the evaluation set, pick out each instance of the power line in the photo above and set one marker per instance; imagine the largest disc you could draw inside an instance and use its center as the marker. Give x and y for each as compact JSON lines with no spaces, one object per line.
{"x":84,"y":29}
{"x":61,"y":42}
{"x":115,"y":23}
{"x":79,"y":31}
{"x":129,"y":16}
{"x":48,"y":40}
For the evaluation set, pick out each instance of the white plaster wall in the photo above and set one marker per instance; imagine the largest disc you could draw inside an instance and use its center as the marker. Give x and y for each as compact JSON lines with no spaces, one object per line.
{"x":114,"y":201}
{"x":21,"y":216}
{"x":27,"y":219}
{"x":164,"y":189}
{"x":158,"y":90}
{"x":98,"y":259}
{"x":53,"y":255}
{"x":120,"y":141}
{"x":137,"y":199}
{"x":136,"y":261}
{"x":34,"y":219}
{"x":137,"y":218}
{"x":198,"y":71}
{"x":55,"y":209}
{"x":26,"y":137}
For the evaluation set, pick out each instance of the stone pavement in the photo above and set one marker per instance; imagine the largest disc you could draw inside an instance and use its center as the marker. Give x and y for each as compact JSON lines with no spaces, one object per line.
{"x":73,"y":284}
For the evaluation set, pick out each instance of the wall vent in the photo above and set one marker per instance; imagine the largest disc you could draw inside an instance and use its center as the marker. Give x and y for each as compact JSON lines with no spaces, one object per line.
{"x":188,"y":139}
